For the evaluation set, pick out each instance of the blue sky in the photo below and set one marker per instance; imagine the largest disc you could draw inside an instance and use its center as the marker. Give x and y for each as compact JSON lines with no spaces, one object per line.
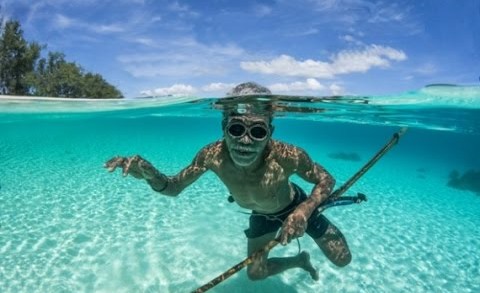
{"x":318,"y":47}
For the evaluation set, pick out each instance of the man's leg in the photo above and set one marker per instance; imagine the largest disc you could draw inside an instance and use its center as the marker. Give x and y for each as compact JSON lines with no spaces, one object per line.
{"x":264,"y":267}
{"x":334,"y":245}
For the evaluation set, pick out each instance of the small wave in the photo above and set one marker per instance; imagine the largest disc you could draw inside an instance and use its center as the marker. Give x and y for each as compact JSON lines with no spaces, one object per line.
{"x":435,"y":107}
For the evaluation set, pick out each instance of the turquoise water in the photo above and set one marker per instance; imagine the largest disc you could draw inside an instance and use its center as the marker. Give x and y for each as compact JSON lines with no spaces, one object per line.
{"x":67,"y":225}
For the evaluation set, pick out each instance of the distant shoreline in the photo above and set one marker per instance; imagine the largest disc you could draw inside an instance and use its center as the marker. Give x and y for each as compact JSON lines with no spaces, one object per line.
{"x":35,"y":98}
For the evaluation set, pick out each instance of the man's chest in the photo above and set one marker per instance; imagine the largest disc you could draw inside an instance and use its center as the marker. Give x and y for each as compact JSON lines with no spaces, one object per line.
{"x":265,"y":179}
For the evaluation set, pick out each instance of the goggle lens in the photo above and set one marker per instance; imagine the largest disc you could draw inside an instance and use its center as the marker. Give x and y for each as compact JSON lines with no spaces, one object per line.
{"x":257,"y":132}
{"x":236,"y":130}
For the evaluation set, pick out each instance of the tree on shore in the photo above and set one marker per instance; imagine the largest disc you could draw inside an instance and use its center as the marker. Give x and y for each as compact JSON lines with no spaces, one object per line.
{"x":23,"y":72}
{"x":17,"y":59}
{"x":54,"y":76}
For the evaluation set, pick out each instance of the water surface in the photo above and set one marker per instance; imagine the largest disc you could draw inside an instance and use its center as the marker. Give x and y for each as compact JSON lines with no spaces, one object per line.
{"x":67,"y":225}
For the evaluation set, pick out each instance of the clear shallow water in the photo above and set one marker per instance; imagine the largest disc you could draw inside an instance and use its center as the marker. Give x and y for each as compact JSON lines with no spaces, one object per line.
{"x":66,"y":225}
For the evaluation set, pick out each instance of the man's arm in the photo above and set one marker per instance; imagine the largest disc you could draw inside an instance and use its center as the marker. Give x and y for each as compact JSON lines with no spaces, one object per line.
{"x":312,"y":172}
{"x":296,"y":223}
{"x":172,"y":186}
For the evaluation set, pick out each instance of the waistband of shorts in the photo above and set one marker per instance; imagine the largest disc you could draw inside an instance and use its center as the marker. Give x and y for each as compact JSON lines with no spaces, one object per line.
{"x":297,"y":199}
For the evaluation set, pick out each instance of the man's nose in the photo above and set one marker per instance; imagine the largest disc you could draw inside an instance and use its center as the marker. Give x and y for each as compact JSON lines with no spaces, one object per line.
{"x":246,"y":139}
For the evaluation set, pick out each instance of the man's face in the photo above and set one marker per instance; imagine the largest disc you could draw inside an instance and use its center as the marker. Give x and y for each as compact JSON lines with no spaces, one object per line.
{"x":246,"y":138}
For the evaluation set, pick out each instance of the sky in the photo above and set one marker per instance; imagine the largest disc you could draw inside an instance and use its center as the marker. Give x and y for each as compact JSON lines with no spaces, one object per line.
{"x":308,"y":47}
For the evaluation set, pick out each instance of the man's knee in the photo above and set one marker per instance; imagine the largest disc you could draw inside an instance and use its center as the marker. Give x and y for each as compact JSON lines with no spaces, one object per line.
{"x":256,"y":273}
{"x":343,"y":260}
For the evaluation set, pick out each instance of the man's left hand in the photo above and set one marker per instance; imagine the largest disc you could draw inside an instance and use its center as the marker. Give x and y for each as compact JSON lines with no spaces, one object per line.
{"x":293,"y":227}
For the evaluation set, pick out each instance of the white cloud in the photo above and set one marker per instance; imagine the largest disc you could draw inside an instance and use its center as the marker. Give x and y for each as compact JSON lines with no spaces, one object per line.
{"x":427,"y":69}
{"x":65,"y":22}
{"x":168,"y":68}
{"x":107,"y":28}
{"x":182,"y":57}
{"x":288,"y":66}
{"x":218,"y":87}
{"x":302,"y":32}
{"x":175,"y":90}
{"x":364,"y":10}
{"x":348,"y":38}
{"x":262,"y":10}
{"x":347,"y":61}
{"x":182,"y":9}
{"x":390,"y":16}
{"x":40,"y":9}
{"x":322,"y":5}
{"x":62,"y":21}
{"x":389,"y":13}
{"x":351,"y":39}
{"x":362,"y":61}
{"x":143,"y":41}
{"x":311,"y":84}
{"x":336,"y":90}
{"x":178,"y":7}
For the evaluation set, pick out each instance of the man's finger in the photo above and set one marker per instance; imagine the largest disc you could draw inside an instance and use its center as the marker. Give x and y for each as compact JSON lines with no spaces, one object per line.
{"x":111,"y":168}
{"x":281,"y":237}
{"x":126,"y":166}
{"x":285,"y":239}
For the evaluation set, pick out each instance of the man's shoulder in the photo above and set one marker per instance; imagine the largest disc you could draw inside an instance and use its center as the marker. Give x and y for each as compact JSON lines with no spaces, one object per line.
{"x":283,"y":146}
{"x":211,"y":151}
{"x":214,"y":146}
{"x":284,"y":150}
{"x":290,"y":156}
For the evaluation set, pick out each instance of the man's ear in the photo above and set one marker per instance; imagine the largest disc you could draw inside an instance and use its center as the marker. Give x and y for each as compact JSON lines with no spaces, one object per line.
{"x":272,"y":129}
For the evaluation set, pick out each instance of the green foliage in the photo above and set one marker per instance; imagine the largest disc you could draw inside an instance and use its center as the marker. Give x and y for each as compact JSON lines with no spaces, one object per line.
{"x":23,"y":72}
{"x":94,"y":85}
{"x":55,"y":77}
{"x":17,"y":59}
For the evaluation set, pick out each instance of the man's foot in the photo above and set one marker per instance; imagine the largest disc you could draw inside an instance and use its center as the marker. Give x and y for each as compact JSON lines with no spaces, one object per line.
{"x":307,"y":265}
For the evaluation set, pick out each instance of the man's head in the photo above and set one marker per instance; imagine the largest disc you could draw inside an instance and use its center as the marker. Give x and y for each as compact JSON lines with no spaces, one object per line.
{"x":247,"y":99}
{"x":247,"y":123}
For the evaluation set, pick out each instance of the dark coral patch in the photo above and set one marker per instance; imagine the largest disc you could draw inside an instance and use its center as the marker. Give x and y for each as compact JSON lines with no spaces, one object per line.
{"x":470,"y":180}
{"x":354,"y":157}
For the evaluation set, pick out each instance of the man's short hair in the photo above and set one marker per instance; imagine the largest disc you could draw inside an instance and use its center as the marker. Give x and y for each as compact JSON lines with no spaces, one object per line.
{"x":248,"y":89}
{"x":247,"y":99}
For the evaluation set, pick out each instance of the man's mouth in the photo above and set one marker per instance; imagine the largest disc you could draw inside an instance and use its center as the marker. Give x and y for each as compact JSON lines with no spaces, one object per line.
{"x":244,"y":151}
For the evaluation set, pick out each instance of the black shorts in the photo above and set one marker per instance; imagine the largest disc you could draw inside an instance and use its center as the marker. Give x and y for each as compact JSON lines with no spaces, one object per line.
{"x":261,"y":224}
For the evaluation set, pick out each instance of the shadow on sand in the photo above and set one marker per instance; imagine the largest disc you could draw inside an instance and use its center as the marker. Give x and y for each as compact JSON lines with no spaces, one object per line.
{"x":241,"y":284}
{"x":470,"y":180}
{"x":354,"y":157}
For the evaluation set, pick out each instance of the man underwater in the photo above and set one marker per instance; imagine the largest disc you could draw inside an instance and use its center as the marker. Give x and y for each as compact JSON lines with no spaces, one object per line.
{"x":256,"y":169}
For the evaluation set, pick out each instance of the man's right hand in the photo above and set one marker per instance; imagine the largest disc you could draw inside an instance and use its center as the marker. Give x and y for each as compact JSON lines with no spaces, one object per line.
{"x":134,"y":165}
